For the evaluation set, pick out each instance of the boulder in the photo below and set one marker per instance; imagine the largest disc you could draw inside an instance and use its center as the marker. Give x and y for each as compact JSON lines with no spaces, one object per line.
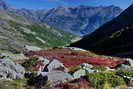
{"x":128,"y":65}
{"x":58,"y":75}
{"x":130,"y":62}
{"x":82,"y":72}
{"x":10,"y":70}
{"x":55,"y":65}
{"x":79,"y":73}
{"x":86,"y":65}
{"x":52,"y":75}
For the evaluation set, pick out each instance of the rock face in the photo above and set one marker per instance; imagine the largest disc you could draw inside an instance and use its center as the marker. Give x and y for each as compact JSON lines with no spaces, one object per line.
{"x":10,"y":70}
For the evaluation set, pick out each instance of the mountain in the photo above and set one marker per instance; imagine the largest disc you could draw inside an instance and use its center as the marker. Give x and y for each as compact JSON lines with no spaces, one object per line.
{"x":79,"y":20}
{"x":113,"y":38}
{"x":16,"y":32}
{"x":20,"y":27}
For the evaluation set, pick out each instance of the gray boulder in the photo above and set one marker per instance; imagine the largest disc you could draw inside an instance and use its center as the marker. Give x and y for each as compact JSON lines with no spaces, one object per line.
{"x":54,"y":65}
{"x":79,"y":73}
{"x":58,"y":75}
{"x":130,"y":62}
{"x":52,"y":75}
{"x":127,"y":65}
{"x":10,"y":70}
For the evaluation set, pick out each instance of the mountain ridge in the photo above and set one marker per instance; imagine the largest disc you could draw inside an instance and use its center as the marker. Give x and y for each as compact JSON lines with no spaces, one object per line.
{"x":112,"y":38}
{"x":73,"y":19}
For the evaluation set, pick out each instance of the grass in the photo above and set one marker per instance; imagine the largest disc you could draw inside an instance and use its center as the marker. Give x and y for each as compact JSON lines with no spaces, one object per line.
{"x":47,"y":34}
{"x":13,"y":84}
{"x":99,"y":79}
{"x":100,"y":68}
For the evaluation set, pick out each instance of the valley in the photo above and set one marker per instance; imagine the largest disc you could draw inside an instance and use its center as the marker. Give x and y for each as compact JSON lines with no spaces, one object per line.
{"x":66,"y":47}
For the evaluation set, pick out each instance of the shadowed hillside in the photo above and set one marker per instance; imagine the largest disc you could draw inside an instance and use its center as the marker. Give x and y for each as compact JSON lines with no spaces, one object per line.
{"x":114,"y":37}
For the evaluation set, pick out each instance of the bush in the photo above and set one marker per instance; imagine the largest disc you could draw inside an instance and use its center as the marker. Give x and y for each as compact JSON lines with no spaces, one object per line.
{"x":101,"y":68}
{"x":98,"y":79}
{"x":107,"y":86}
{"x":124,"y":73}
{"x":38,"y":81}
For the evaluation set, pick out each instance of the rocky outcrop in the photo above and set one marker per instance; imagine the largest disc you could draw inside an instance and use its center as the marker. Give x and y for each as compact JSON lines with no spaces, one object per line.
{"x":10,"y":70}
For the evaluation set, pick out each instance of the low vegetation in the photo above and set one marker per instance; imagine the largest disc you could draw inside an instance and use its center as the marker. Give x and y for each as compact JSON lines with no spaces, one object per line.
{"x":99,"y":79}
{"x":47,"y":34}
{"x":123,"y":72}
{"x":100,"y":68}
{"x":13,"y":84}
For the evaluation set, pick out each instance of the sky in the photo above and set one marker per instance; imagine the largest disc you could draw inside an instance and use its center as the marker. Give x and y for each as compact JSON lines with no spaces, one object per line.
{"x":40,"y":4}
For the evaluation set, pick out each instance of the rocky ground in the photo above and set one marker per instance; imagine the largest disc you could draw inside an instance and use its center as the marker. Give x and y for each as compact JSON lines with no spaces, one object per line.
{"x":64,"y":68}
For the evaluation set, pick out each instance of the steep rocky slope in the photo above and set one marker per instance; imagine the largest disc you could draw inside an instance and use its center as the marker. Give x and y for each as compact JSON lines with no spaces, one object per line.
{"x":113,"y":38}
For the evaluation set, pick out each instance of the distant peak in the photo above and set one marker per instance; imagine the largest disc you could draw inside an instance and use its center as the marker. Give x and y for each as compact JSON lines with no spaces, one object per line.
{"x":86,"y":6}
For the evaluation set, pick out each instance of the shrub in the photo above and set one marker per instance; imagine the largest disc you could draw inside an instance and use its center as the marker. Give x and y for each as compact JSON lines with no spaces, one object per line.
{"x":122,"y":73}
{"x":98,"y":79}
{"x":101,"y":68}
{"x":38,"y":81}
{"x":107,"y":86}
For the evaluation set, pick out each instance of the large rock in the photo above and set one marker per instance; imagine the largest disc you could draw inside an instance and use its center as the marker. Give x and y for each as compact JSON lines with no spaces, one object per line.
{"x":56,"y":65}
{"x":84,"y":68}
{"x":79,"y":73}
{"x":52,"y":75}
{"x":128,"y":65}
{"x":130,"y":62}
{"x":58,"y":75}
{"x":10,"y":70}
